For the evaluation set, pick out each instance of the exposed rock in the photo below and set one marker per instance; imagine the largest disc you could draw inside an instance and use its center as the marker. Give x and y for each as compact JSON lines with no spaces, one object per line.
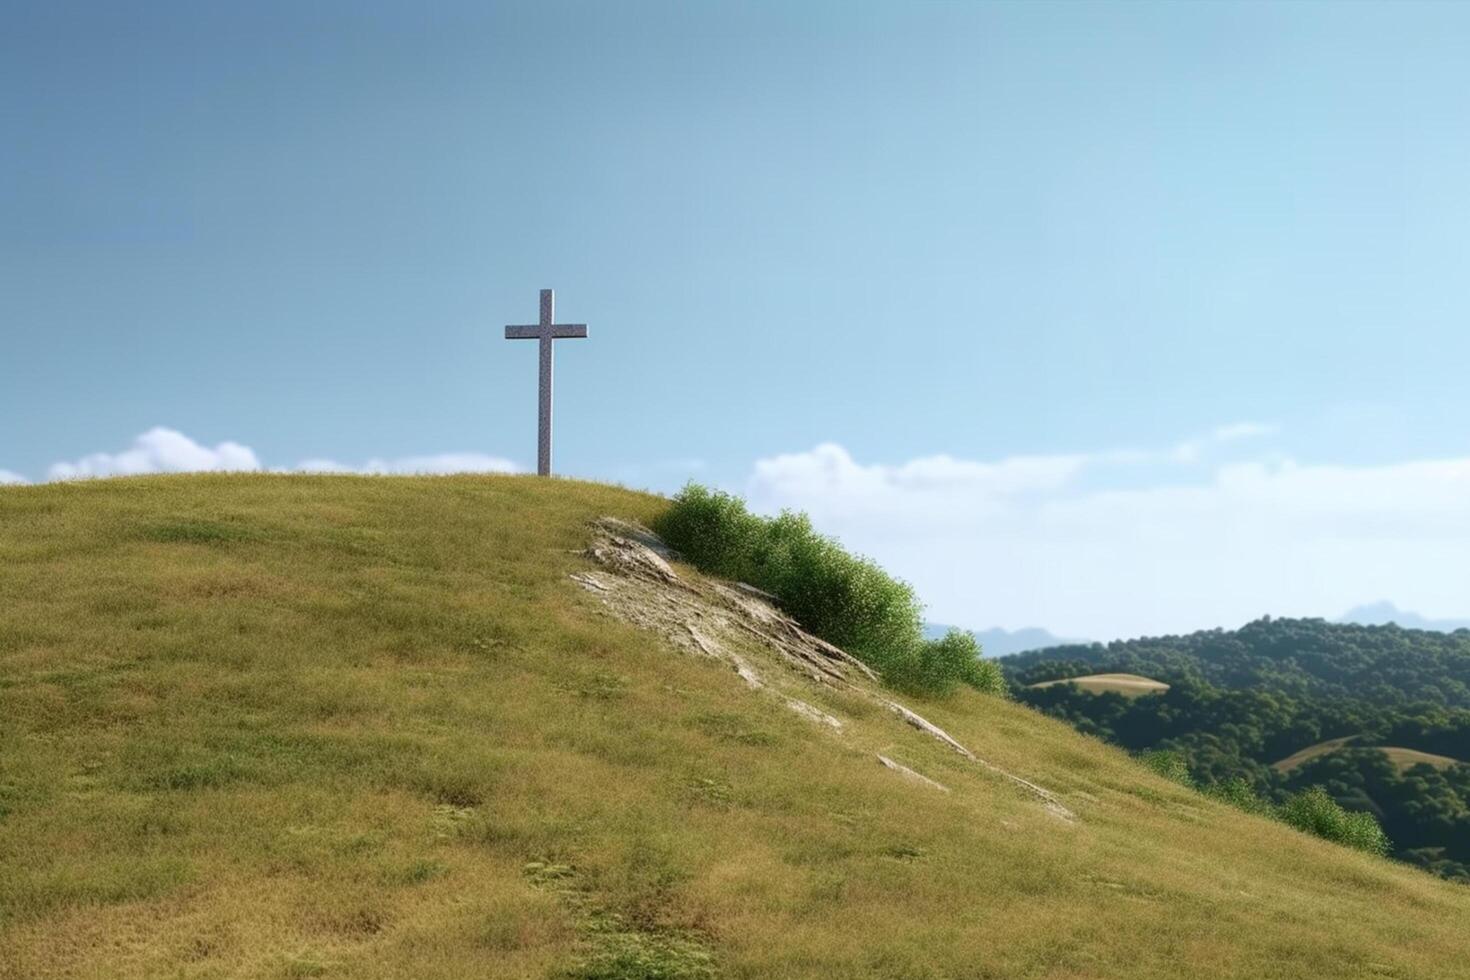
{"x":908,"y":773}
{"x":929,"y":728}
{"x":738,"y":624}
{"x":633,"y":558}
{"x":637,"y":532}
{"x":815,"y":714}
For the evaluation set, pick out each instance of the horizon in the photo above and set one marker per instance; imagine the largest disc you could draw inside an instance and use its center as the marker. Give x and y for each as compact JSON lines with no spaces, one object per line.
{"x":1110,"y":321}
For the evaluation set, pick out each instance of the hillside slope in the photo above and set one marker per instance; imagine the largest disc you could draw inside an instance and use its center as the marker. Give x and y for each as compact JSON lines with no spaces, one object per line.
{"x":371,"y":727}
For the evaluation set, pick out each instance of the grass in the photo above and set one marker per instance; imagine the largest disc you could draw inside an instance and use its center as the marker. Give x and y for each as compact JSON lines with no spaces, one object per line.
{"x":1302,"y":756}
{"x":1403,"y":759}
{"x":1128,"y":685}
{"x":288,"y":726}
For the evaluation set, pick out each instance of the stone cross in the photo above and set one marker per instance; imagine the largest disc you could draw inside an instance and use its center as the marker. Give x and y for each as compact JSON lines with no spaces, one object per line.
{"x":546,"y":332}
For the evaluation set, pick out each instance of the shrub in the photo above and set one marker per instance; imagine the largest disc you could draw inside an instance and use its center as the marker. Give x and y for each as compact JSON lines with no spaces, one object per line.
{"x":986,"y":675}
{"x":937,"y":667}
{"x":843,"y":598}
{"x":713,"y":531}
{"x":1169,"y":764}
{"x":933,"y":667}
{"x":1316,"y":812}
{"x":1239,"y":793}
{"x":1312,"y":811}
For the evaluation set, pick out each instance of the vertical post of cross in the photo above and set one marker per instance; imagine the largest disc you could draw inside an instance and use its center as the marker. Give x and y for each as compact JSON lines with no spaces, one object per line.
{"x":545,"y":332}
{"x":543,"y":415}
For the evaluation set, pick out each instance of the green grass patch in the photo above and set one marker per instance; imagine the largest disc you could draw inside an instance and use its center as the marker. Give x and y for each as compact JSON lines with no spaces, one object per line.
{"x":199,"y":532}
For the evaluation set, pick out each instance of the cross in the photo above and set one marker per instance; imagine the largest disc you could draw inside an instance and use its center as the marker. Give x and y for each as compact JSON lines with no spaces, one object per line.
{"x":546,"y":332}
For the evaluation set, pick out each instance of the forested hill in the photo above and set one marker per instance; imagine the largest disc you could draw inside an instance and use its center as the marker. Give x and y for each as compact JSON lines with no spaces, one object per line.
{"x":1385,"y":665}
{"x":1377,"y":715}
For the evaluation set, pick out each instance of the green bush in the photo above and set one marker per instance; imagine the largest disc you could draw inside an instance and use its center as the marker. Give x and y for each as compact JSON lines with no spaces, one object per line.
{"x":1239,"y":793}
{"x":1169,"y":764}
{"x":1316,"y":812}
{"x":843,"y":598}
{"x":937,"y":667}
{"x":713,"y":531}
{"x":1312,"y":810}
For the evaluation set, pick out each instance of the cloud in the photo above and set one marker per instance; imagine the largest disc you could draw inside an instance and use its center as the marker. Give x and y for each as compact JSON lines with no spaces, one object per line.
{"x":7,"y":477}
{"x":441,"y":464}
{"x":1040,"y":541}
{"x":162,"y":450}
{"x":1191,"y":450}
{"x":159,"y":450}
{"x":927,"y":487}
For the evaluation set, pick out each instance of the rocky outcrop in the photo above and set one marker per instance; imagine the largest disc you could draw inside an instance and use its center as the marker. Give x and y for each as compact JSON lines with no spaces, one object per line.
{"x":744,"y":628}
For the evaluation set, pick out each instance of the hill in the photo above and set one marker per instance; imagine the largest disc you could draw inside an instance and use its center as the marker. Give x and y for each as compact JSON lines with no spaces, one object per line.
{"x":1128,"y":685}
{"x":373,"y":727}
{"x":1298,"y":657}
{"x":1302,"y":756}
{"x":1402,"y":759}
{"x":1287,"y":704}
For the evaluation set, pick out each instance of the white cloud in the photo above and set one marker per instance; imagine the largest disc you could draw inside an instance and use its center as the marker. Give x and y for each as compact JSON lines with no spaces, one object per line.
{"x":1029,"y":541}
{"x":1191,"y":450}
{"x":7,"y":477}
{"x":441,"y":464}
{"x":159,"y":450}
{"x":927,"y":488}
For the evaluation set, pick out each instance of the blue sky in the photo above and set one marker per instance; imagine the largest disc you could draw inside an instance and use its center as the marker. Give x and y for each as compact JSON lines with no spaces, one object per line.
{"x":1104,"y":263}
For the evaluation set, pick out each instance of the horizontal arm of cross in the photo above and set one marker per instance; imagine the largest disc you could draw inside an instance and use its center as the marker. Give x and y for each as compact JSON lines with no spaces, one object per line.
{"x":559,"y":331}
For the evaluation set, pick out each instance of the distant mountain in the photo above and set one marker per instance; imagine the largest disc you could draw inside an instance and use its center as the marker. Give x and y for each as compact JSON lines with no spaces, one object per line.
{"x":1382,"y":613}
{"x":1001,"y":643}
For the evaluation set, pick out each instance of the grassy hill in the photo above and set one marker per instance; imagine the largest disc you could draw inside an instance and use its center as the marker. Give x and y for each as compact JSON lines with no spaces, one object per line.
{"x":1128,"y":685}
{"x":369,"y":727}
{"x":1302,"y":756}
{"x":1402,"y":759}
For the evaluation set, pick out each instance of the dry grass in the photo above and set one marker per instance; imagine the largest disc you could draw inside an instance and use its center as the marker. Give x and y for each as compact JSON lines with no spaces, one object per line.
{"x":1408,"y":758}
{"x":366,"y":727}
{"x":1303,"y":756}
{"x":1128,"y":685}
{"x":1401,"y":758}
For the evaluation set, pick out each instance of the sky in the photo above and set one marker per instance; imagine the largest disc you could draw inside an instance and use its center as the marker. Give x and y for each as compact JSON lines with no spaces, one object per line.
{"x":1114,"y":319}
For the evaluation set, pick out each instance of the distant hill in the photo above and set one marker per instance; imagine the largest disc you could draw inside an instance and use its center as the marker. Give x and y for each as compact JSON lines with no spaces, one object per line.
{"x":391,"y":727}
{"x":1128,"y":685}
{"x":1382,"y":665}
{"x":1402,"y":759}
{"x":1291,"y":703}
{"x":1385,"y":612}
{"x":998,"y":642}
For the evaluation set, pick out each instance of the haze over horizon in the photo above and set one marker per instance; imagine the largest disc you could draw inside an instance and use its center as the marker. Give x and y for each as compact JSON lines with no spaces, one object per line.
{"x":1113,"y":321}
